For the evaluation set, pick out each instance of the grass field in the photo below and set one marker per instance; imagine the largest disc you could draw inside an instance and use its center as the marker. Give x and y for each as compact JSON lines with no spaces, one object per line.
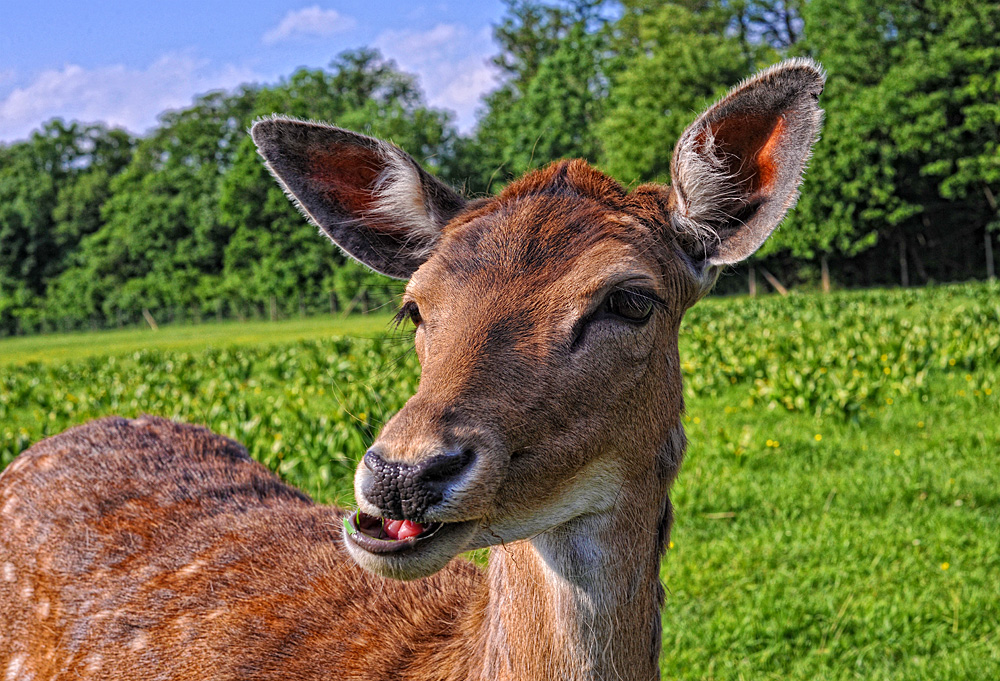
{"x":70,"y":346}
{"x":838,"y":513}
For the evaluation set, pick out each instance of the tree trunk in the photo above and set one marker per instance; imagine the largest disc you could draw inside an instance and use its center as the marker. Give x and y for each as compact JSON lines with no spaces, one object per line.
{"x":988,"y":239}
{"x":773,"y":281}
{"x":150,"y":320}
{"x":274,"y":309}
{"x":753,"y":281}
{"x":824,"y":269}
{"x":333,"y":302}
{"x":904,"y":270}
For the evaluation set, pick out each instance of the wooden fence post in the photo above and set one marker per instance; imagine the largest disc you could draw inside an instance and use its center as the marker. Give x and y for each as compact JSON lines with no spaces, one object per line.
{"x":150,"y":320}
{"x":773,"y":281}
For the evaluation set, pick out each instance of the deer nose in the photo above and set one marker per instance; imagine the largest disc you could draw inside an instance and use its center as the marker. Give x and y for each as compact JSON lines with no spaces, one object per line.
{"x":407,"y":491}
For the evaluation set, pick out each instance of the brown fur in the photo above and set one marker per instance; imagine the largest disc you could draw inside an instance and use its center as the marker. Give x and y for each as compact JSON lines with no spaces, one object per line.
{"x":151,"y":550}
{"x":183,"y":558}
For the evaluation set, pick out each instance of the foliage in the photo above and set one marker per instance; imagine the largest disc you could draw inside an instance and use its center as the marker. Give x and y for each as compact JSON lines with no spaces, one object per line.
{"x":52,"y":188}
{"x":812,"y":540}
{"x":554,"y":58}
{"x":882,"y":346}
{"x":909,"y":154}
{"x":678,"y":61}
{"x":904,"y":185}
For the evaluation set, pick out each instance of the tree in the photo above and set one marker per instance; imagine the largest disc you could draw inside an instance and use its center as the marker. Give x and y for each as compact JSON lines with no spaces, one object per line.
{"x":909,"y":153}
{"x":161,"y":244}
{"x":52,"y":187}
{"x":553,"y":57}
{"x":676,"y":61}
{"x":272,"y":251}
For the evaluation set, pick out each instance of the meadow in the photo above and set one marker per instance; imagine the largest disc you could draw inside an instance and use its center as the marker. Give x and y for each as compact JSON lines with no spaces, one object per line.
{"x":837,"y":515}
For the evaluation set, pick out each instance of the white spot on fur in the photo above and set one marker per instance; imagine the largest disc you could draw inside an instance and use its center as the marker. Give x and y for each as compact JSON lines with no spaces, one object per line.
{"x":43,"y":608}
{"x":93,"y":662}
{"x":9,"y":506}
{"x":9,"y":573}
{"x":17,"y":464}
{"x":27,"y":592}
{"x":13,"y":467}
{"x":184,"y":624}
{"x":14,"y":668}
{"x":191,"y":568}
{"x":139,"y":642}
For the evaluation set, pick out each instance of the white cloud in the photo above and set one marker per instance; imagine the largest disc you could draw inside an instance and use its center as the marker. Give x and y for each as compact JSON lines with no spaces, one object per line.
{"x":311,"y":22}
{"x":452,"y":61}
{"x":116,"y":94}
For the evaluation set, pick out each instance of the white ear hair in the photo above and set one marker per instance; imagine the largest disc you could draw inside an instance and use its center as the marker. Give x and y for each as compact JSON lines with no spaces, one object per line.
{"x":736,"y":170}
{"x":368,"y":196}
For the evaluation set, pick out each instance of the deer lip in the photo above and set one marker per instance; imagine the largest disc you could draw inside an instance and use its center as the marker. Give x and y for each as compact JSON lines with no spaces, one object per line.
{"x":368,"y":532}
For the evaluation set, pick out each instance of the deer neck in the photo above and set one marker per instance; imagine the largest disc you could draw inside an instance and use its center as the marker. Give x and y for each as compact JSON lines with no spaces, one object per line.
{"x":579,"y":602}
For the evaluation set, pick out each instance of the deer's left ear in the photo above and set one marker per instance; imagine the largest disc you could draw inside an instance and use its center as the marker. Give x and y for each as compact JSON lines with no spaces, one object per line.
{"x":371,"y":198}
{"x":736,"y":170}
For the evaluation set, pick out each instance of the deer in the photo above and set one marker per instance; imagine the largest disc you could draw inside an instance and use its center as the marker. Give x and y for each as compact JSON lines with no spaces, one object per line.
{"x":546,"y":427}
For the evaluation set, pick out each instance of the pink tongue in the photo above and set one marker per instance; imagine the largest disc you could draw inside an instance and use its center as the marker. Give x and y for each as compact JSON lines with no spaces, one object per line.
{"x":402,"y":529}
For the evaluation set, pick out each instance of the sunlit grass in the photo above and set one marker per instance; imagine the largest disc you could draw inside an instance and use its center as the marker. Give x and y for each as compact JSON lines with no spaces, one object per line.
{"x":69,"y":346}
{"x":837,"y":516}
{"x":868,"y":553}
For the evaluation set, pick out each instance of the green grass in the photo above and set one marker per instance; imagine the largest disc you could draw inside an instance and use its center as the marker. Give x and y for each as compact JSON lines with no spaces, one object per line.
{"x":869,"y":553}
{"x":70,"y":346}
{"x":837,"y":516}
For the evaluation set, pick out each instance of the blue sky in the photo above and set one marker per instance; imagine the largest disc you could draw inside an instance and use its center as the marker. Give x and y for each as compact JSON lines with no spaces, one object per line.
{"x":125,"y":62}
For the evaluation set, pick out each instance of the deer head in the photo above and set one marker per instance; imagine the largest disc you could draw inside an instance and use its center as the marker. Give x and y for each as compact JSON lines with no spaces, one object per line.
{"x":546,"y":318}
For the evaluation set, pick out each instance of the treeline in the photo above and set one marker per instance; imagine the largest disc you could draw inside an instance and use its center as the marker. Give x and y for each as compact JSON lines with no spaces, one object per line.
{"x":97,"y":226}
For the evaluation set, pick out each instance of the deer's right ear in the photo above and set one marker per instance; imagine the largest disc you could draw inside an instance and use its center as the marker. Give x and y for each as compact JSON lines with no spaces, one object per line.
{"x":736,"y":170}
{"x":371,"y":198}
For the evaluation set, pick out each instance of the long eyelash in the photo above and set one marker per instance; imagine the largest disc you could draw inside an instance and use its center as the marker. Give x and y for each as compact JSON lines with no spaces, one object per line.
{"x":644,"y":294}
{"x":408,"y":311}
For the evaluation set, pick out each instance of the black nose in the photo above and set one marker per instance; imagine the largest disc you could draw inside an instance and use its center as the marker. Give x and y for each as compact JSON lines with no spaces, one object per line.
{"x":400,"y":490}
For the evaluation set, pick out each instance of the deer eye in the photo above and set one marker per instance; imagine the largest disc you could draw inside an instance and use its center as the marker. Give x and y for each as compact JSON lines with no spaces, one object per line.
{"x":631,"y":305}
{"x":409,"y":311}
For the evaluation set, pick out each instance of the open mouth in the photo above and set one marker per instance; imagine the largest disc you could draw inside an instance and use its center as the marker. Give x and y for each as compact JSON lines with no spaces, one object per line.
{"x":383,"y":535}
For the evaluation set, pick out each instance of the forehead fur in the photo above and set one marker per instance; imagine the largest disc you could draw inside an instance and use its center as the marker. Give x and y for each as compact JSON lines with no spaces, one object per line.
{"x":549,"y":217}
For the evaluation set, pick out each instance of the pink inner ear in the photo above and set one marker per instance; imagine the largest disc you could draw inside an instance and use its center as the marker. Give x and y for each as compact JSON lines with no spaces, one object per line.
{"x":751,"y":146}
{"x":347,"y":176}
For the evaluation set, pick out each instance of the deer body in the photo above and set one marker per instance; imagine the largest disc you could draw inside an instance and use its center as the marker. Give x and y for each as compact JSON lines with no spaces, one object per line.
{"x":546,"y":425}
{"x":167,"y":576}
